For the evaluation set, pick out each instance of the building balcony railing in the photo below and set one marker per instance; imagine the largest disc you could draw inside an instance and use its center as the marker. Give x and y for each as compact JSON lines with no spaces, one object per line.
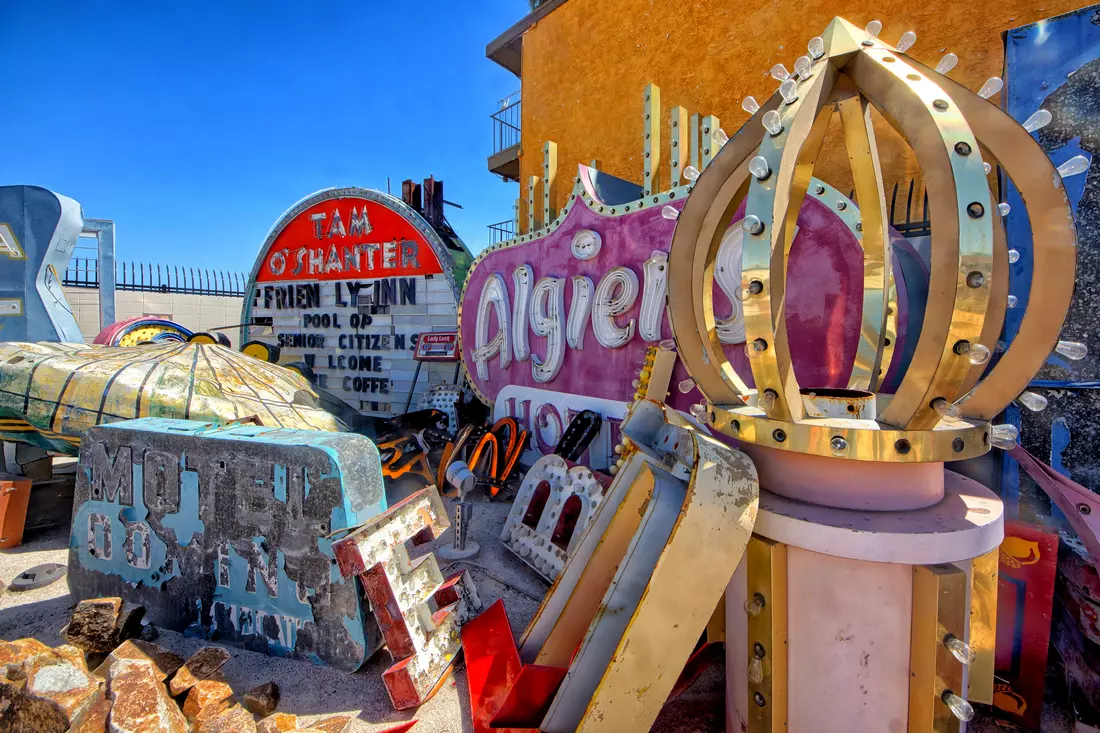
{"x":913,"y":224}
{"x":504,"y":160}
{"x":506,"y":124}
{"x":83,"y":272}
{"x":502,"y":231}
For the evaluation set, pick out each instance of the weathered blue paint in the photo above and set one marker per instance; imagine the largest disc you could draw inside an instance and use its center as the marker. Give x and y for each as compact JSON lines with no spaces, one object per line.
{"x":1059,"y":441}
{"x":220,"y":532}
{"x":38,"y":231}
{"x":1010,"y":470}
{"x":1055,"y":65}
{"x":187,"y":523}
{"x":1039,"y":60}
{"x":118,"y":547}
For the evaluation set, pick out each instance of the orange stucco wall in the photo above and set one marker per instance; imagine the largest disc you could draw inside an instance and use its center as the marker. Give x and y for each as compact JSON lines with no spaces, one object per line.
{"x":585,"y":66}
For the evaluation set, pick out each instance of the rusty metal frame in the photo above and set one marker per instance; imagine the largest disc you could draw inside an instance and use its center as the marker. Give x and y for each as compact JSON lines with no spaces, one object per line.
{"x":398,"y":465}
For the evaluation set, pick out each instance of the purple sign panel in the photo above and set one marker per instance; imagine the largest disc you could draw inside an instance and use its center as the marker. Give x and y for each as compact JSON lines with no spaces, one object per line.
{"x":574,"y":310}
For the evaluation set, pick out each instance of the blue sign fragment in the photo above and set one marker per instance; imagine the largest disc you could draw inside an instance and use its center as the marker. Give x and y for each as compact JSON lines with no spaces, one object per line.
{"x":226,"y":532}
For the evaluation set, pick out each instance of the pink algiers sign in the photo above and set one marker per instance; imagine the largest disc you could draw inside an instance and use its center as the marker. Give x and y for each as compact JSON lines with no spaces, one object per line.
{"x":570,"y":315}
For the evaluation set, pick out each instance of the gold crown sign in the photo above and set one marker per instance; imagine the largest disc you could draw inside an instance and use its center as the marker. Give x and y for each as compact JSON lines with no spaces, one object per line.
{"x":949,"y":393}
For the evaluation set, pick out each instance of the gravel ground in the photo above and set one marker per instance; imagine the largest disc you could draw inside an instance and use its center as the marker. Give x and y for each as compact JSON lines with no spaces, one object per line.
{"x":313,"y":692}
{"x":310,"y":691}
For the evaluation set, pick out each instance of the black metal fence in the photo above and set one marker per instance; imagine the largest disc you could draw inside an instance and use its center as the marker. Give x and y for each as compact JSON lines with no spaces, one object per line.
{"x":506,"y":127}
{"x":914,"y":223}
{"x":83,"y":272}
{"x":502,"y":231}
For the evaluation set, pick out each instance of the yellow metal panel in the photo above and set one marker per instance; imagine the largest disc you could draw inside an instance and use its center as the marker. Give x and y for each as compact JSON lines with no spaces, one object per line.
{"x":571,"y":626}
{"x":717,"y":518}
{"x":63,"y":389}
{"x":549,"y":173}
{"x":859,"y":135}
{"x":767,"y":631}
{"x":716,"y":627}
{"x":678,"y":155}
{"x":709,"y":132}
{"x":939,"y":609}
{"x":532,"y":182}
{"x":983,"y":626}
{"x":694,"y":149}
{"x":651,"y":143}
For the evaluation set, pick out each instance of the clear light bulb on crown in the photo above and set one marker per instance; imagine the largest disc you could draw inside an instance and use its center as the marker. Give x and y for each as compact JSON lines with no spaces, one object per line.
{"x":802,"y":67}
{"x":947,"y":63}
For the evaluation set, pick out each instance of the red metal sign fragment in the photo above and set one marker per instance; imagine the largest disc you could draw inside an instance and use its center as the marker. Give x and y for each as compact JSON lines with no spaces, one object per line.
{"x":505,"y":695}
{"x":529,"y":698}
{"x":1025,"y":598}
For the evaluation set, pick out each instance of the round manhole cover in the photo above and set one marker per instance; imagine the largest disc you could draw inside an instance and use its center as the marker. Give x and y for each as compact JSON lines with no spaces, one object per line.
{"x":38,"y":577}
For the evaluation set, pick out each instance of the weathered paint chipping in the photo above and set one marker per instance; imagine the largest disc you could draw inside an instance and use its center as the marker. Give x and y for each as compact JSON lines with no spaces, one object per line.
{"x":223,"y":532}
{"x":418,"y":611}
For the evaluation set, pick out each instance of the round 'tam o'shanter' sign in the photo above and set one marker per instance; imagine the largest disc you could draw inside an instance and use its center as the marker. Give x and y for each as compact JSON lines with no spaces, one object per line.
{"x":345,"y":283}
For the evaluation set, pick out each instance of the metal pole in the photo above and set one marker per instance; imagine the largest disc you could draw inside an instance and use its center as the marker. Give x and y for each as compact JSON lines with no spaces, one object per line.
{"x":104,"y":231}
{"x":412,"y":387}
{"x":461,"y":548}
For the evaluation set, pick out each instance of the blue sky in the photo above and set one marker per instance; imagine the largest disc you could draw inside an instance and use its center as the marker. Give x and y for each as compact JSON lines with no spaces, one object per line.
{"x":194,"y":125}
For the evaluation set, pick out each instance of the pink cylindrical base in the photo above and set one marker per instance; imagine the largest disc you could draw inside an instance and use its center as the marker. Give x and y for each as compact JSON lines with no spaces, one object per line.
{"x":849,"y":636}
{"x":847,"y":484}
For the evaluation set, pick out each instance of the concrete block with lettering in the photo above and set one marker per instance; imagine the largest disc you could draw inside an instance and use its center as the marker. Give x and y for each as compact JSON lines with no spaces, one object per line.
{"x":224,"y":532}
{"x":418,"y":611}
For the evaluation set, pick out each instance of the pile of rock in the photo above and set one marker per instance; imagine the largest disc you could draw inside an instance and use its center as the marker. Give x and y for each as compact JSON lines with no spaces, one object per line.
{"x":108,"y":679}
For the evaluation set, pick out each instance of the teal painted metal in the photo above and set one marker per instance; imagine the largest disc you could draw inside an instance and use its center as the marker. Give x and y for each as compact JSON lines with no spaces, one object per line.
{"x":226,"y":532}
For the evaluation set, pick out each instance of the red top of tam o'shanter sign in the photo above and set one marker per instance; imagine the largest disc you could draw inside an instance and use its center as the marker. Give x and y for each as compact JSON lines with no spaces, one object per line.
{"x":346,"y":239}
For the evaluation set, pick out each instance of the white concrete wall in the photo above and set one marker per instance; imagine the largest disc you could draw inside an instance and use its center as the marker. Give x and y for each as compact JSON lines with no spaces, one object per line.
{"x":195,"y":312}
